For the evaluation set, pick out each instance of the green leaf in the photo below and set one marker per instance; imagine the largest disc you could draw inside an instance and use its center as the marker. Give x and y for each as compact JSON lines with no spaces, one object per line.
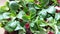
{"x":55,"y":2}
{"x":14,"y":25}
{"x":57,"y":16}
{"x":44,"y":3}
{"x":30,"y":0}
{"x":43,"y":24}
{"x":18,"y":27}
{"x":50,"y":19}
{"x":5,"y":15}
{"x":13,"y":5}
{"x":51,"y":10}
{"x":32,"y":24}
{"x":56,"y":29}
{"x":1,"y":17}
{"x":40,"y":32}
{"x":13,"y":13}
{"x":1,"y":25}
{"x":9,"y":29}
{"x":20,"y":15}
{"x":37,"y":6}
{"x":26,"y":17}
{"x":42,"y":13}
{"x":4,"y":8}
{"x":32,"y":11}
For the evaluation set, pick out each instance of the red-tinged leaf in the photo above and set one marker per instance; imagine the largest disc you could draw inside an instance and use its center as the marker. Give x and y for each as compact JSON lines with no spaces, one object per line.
{"x":50,"y":32}
{"x":15,"y":32}
{"x":58,"y":1}
{"x":6,"y":32}
{"x":27,"y":26}
{"x":57,"y":9}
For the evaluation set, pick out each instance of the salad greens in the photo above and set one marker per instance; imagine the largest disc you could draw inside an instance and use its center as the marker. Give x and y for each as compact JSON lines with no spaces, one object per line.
{"x":42,"y":16}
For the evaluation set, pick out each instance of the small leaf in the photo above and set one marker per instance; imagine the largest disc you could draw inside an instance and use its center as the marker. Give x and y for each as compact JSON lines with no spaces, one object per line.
{"x":51,"y":10}
{"x":13,"y":5}
{"x":26,"y":17}
{"x":32,"y":11}
{"x":44,"y":3}
{"x":18,"y":27}
{"x":50,"y":19}
{"x":57,"y":16}
{"x":32,"y":24}
{"x":4,"y":9}
{"x":5,"y":16}
{"x":20,"y":15}
{"x":12,"y":26}
{"x":42,"y":13}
